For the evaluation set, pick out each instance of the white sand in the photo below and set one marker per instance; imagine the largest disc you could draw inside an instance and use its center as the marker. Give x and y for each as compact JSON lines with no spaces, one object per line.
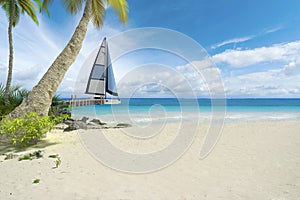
{"x":252,"y":160}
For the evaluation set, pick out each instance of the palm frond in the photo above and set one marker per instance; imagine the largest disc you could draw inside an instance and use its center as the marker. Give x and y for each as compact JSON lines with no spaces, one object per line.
{"x":120,"y":7}
{"x":73,"y":6}
{"x":45,"y":5}
{"x":29,"y":8}
{"x":98,"y":11}
{"x":7,"y":7}
{"x":16,"y":94}
{"x":20,"y":6}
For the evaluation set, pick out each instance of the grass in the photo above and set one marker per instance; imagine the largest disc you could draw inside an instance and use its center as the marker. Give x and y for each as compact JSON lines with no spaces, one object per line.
{"x":36,"y":180}
{"x":25,"y":157}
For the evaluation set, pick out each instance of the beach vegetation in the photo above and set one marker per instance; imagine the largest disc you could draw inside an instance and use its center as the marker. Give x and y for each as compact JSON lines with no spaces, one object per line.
{"x":25,"y":157}
{"x":59,"y":107}
{"x":57,"y":162}
{"x":15,"y":97}
{"x":36,"y":180}
{"x":39,"y":99}
{"x":13,"y":10}
{"x":54,"y":156}
{"x":23,"y":132}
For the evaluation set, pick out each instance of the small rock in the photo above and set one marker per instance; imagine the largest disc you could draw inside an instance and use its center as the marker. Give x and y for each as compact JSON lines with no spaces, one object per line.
{"x":68,"y":121}
{"x":60,"y":126}
{"x":105,"y":127}
{"x":97,"y":121}
{"x":37,"y":154}
{"x":84,"y":119}
{"x":122,"y":125}
{"x":76,"y":125}
{"x":10,"y":156}
{"x":71,"y":127}
{"x":81,"y":124}
{"x":93,"y":124}
{"x":90,"y":126}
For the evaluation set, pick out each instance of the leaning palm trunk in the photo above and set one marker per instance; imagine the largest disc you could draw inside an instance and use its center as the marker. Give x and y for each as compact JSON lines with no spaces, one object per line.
{"x":39,"y":99}
{"x":11,"y":54}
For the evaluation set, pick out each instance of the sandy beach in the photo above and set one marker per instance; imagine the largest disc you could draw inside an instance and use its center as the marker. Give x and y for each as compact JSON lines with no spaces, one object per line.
{"x":252,"y":160}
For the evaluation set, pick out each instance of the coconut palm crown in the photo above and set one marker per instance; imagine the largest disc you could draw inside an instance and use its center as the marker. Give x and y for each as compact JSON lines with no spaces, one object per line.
{"x":98,"y":8}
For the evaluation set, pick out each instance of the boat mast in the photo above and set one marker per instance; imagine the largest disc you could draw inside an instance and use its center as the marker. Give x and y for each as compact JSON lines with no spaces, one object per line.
{"x":105,"y":68}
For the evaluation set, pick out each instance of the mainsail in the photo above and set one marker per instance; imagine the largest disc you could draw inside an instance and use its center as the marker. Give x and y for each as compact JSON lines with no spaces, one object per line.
{"x":101,"y":80}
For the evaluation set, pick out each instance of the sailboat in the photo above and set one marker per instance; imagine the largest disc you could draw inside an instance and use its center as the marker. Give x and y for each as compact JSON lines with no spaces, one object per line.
{"x":101,"y":82}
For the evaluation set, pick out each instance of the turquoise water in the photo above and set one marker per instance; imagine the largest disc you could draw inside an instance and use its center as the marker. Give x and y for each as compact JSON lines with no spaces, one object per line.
{"x":151,"y":110}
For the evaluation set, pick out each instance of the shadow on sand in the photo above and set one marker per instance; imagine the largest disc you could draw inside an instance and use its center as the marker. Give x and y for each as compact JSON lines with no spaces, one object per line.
{"x":13,"y":149}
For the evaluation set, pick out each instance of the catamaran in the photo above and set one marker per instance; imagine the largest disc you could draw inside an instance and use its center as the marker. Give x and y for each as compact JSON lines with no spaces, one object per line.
{"x":101,"y":82}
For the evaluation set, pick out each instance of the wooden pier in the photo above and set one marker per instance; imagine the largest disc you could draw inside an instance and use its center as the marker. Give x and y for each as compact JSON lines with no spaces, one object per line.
{"x":86,"y":102}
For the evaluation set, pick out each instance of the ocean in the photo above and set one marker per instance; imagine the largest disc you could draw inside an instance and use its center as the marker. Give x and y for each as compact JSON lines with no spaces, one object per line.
{"x":144,"y":111}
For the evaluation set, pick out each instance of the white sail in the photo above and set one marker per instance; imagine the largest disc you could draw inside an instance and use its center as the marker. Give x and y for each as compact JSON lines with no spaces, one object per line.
{"x":111,"y":87}
{"x":101,"y":79}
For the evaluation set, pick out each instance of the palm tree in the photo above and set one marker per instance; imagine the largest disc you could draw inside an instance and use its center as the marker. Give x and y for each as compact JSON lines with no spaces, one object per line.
{"x":39,"y":100}
{"x":13,"y":9}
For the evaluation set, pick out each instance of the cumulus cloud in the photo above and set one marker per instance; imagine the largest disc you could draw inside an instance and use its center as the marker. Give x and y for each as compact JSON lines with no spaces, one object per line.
{"x":292,"y":68}
{"x":242,"y":58}
{"x":271,"y":83}
{"x":156,"y":80}
{"x":187,"y":81}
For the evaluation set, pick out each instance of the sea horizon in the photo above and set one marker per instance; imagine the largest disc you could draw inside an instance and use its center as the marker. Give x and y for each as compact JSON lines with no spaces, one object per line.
{"x":144,"y":111}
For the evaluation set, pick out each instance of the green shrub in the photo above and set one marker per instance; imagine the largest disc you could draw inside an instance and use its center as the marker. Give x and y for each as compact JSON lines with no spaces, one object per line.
{"x":16,"y":96}
{"x":27,"y":131}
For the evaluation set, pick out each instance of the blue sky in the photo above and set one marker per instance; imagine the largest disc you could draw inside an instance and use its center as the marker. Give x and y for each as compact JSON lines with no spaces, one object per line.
{"x":254,"y":44}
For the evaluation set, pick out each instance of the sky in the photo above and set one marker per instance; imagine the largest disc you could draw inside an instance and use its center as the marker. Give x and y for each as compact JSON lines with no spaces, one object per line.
{"x":253,"y":48}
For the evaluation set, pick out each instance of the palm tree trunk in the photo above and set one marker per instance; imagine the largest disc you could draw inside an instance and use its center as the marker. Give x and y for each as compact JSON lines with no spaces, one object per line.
{"x":39,"y":99}
{"x":11,"y":54}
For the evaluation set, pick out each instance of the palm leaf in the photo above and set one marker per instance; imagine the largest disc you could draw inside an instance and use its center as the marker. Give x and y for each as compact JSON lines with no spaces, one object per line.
{"x":20,"y":6}
{"x":98,"y":11}
{"x":120,"y":7}
{"x":45,"y":5}
{"x":29,"y":8}
{"x":73,"y":5}
{"x":7,"y":7}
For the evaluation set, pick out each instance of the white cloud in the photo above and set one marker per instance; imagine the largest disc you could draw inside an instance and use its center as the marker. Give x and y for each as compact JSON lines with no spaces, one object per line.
{"x":292,"y":68}
{"x":271,"y":83}
{"x":273,"y":30}
{"x":280,"y":82}
{"x":246,"y":38}
{"x":204,"y":79}
{"x":241,"y":58}
{"x":156,"y":80}
{"x":232,"y":41}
